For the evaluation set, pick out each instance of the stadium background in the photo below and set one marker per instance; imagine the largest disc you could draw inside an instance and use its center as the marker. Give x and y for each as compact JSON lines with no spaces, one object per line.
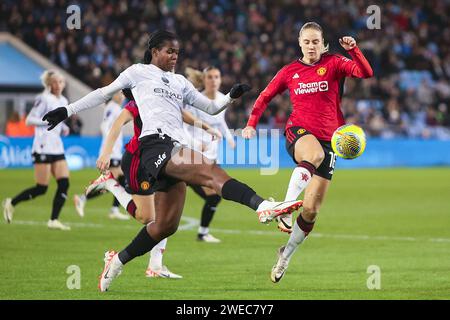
{"x":404,"y":110}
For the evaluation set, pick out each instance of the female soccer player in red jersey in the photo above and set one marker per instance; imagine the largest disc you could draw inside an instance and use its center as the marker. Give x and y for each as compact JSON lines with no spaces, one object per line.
{"x":315,"y":86}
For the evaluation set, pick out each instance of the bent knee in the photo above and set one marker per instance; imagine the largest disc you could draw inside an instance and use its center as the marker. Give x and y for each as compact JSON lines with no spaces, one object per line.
{"x":310,"y":212}
{"x":41,"y":189}
{"x":316,"y":158}
{"x":166,"y":230}
{"x":142,"y":219}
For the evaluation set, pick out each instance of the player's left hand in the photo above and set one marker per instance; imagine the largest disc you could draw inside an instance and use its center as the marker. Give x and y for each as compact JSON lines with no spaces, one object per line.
{"x":347,"y":43}
{"x":55,"y":117}
{"x":238,"y":90}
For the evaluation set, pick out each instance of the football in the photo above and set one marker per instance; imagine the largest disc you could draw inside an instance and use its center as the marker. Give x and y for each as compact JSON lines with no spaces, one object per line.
{"x":348,"y":141}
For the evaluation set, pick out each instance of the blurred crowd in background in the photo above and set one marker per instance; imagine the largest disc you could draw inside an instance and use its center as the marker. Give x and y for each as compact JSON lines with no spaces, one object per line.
{"x":251,"y":40}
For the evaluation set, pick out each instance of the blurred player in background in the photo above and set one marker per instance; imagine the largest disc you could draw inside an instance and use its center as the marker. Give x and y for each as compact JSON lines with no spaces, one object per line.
{"x":110,"y":114}
{"x":315,"y":84}
{"x":47,"y":152}
{"x":210,"y":79}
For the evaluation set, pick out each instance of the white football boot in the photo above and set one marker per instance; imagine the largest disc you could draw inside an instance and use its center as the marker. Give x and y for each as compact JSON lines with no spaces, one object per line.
{"x":208,"y":238}
{"x":285,"y":222}
{"x":57,"y":225}
{"x":115,"y":214}
{"x":113,"y":269}
{"x":280,"y":267}
{"x":268,"y":210}
{"x":99,"y":184}
{"x":8,"y":210}
{"x":80,"y":203}
{"x":161,"y":273}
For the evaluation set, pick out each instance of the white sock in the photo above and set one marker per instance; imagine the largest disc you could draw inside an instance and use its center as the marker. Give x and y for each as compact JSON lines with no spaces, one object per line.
{"x":119,"y":192}
{"x":203,"y":230}
{"x":116,"y":260}
{"x":82,"y":198}
{"x":296,"y":238}
{"x":115,"y":210}
{"x":300,"y":178}
{"x":156,"y":255}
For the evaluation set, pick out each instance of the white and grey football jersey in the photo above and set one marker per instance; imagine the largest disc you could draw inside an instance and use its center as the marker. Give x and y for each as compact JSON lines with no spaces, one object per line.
{"x":160,"y":97}
{"x":110,"y":114}
{"x":47,"y":142}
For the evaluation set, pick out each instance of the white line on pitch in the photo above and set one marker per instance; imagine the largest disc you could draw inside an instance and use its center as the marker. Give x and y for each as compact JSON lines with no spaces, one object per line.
{"x":192,"y":223}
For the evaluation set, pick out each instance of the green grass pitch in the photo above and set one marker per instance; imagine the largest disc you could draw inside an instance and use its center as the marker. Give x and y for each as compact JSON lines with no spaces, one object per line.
{"x":396,"y":219}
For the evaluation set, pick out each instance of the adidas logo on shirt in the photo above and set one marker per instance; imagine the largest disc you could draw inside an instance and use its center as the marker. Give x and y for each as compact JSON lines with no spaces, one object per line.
{"x":296,"y":76}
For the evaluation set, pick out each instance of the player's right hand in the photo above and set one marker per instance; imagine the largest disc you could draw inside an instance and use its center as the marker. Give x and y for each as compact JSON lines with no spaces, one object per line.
{"x":248,"y":132}
{"x":103,"y":162}
{"x":55,"y":117}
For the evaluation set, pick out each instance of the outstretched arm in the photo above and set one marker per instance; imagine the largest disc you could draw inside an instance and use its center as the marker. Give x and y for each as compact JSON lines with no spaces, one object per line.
{"x":91,"y":100}
{"x":276,"y":86}
{"x":199,"y":101}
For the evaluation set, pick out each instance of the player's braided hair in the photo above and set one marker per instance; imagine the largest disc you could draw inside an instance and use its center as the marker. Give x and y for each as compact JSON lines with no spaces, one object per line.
{"x":157,"y":40}
{"x":127,"y":93}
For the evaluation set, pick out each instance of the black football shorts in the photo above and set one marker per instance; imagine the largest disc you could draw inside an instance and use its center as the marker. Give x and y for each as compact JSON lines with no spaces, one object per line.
{"x":326,"y":168}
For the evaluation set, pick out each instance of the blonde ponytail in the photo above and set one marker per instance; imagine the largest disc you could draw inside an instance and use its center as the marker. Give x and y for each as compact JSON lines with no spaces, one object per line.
{"x":195,"y":76}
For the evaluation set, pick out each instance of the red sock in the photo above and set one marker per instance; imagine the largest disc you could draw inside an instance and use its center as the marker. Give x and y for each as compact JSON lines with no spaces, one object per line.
{"x":306,"y":227}
{"x":131,"y":208}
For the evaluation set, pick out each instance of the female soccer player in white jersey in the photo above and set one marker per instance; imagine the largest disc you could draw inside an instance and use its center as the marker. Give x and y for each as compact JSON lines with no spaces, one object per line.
{"x":210,"y":79}
{"x":48,"y":151}
{"x":110,"y":114}
{"x":160,"y":95}
{"x":139,"y":197}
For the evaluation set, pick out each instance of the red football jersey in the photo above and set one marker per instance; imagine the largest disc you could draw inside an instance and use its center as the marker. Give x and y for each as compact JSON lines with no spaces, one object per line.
{"x":314,"y":91}
{"x":133,"y":145}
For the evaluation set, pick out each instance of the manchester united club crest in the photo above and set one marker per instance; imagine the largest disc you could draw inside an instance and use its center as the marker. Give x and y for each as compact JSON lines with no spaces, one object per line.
{"x":145,"y":185}
{"x":321,"y":71}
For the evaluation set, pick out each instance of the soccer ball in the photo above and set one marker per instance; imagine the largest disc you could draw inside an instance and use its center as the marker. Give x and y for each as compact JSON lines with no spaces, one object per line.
{"x":348,"y":141}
